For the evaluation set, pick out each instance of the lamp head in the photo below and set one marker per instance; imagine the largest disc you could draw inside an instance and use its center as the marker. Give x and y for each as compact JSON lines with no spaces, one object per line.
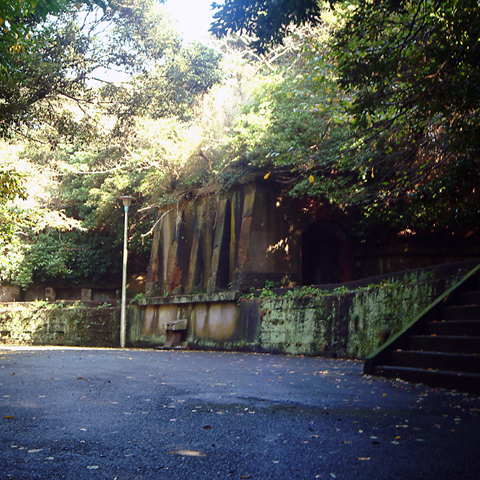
{"x":126,"y":200}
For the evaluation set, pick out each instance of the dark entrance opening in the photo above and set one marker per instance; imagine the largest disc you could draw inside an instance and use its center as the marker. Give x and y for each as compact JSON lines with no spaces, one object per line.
{"x":320,"y":255}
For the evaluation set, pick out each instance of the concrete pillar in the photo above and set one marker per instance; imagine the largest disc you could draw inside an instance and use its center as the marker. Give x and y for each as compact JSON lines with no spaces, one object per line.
{"x":196,"y":264}
{"x":218,"y":247}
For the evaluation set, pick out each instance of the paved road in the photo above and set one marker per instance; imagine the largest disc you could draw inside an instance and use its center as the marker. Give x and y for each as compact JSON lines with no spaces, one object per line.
{"x":149,"y":414}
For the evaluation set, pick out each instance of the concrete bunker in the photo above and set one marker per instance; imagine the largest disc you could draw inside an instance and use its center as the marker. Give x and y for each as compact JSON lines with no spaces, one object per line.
{"x":210,"y":251}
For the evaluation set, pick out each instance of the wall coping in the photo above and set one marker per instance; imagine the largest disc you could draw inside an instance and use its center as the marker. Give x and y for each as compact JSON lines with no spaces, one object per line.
{"x":196,"y":298}
{"x":441,"y":271}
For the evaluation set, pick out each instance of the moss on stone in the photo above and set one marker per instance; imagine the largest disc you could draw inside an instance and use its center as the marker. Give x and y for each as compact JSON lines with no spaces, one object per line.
{"x":42,"y":323}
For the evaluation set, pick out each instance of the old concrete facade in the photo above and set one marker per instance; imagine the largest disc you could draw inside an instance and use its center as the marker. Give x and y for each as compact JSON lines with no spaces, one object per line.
{"x":209,"y":251}
{"x":256,"y":233}
{"x":243,"y":238}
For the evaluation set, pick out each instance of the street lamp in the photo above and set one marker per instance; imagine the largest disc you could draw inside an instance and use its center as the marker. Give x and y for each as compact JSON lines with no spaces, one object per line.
{"x":123,"y":321}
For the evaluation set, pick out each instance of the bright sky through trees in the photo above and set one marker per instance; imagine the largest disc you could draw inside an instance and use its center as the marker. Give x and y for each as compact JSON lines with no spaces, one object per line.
{"x":194,"y":17}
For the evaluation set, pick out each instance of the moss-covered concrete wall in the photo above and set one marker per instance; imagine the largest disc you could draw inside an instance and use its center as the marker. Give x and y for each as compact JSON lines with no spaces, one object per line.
{"x":345,"y":323}
{"x":349,"y":321}
{"x":73,"y":324}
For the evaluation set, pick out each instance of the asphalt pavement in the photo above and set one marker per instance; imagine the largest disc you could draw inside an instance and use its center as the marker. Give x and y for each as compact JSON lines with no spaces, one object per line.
{"x":150,"y":414}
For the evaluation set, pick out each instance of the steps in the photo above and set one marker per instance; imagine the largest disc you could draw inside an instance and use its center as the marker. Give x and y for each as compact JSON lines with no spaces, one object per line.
{"x":442,"y":347}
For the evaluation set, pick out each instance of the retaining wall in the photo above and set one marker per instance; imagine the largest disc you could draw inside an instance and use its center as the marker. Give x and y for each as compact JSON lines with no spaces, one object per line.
{"x":351,"y":320}
{"x":43,"y":323}
{"x":348,"y":321}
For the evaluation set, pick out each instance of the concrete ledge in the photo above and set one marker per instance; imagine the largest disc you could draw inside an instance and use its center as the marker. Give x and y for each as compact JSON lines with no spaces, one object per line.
{"x":198,"y":298}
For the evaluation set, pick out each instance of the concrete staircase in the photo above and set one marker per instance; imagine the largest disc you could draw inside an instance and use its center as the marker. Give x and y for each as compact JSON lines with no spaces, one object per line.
{"x":441,"y":347}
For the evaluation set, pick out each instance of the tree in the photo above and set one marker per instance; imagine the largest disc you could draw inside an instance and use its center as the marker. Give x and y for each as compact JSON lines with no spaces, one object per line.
{"x":295,"y":107}
{"x":169,"y":88}
{"x":38,"y":56}
{"x":265,"y":21}
{"x":65,"y":51}
{"x":11,"y":187}
{"x":18,"y":18}
{"x":409,"y":72}
{"x":84,"y":143}
{"x":412,"y":69}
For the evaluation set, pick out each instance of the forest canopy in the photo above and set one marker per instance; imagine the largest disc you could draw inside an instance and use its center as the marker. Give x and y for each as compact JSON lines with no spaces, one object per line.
{"x":76,"y":136}
{"x":408,"y":74}
{"x":370,"y":107}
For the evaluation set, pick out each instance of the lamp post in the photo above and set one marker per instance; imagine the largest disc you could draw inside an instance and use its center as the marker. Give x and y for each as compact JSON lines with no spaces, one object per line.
{"x":123,"y":321}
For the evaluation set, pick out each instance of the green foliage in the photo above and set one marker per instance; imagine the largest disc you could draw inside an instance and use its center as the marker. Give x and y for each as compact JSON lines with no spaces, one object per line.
{"x":341,"y":290}
{"x":42,"y":55}
{"x":266,"y":22}
{"x":18,"y":18}
{"x":87,"y":144}
{"x":401,"y":145}
{"x":266,"y":291}
{"x":305,"y":292}
{"x":176,"y":84}
{"x":136,"y":298}
{"x":296,"y":123}
{"x":53,"y":254}
{"x":374,"y":111}
{"x":168,"y":77}
{"x":51,"y":85}
{"x":412,"y":70}
{"x":247,"y":296}
{"x":11,"y":187}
